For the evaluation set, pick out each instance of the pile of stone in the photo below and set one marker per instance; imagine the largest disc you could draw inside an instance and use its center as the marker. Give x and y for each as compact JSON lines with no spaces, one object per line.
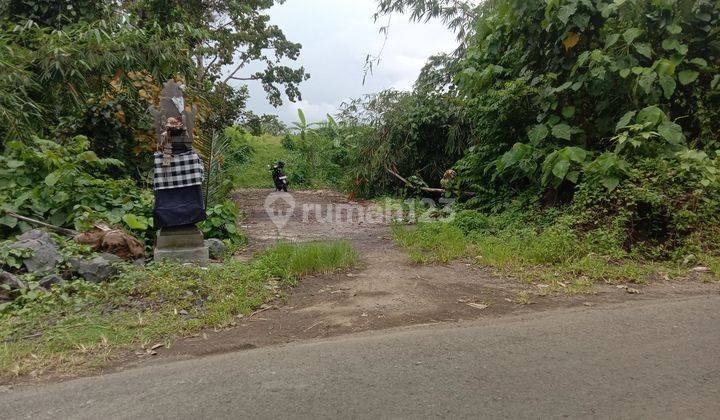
{"x":46,"y":263}
{"x":45,"y":260}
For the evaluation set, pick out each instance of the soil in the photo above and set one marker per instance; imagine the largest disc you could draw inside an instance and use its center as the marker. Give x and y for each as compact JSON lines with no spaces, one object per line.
{"x":387,"y":290}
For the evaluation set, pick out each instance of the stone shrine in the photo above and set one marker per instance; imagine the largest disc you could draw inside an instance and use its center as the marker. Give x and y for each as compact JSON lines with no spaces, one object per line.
{"x":178,"y":179}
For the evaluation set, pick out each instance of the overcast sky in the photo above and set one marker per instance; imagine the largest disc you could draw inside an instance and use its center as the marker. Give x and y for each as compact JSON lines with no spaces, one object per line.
{"x":336,"y":36}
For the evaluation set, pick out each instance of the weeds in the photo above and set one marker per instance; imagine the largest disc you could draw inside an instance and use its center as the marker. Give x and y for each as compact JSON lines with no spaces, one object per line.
{"x":523,"y":298}
{"x":79,"y":326}
{"x":432,"y":242}
{"x":548,"y":253}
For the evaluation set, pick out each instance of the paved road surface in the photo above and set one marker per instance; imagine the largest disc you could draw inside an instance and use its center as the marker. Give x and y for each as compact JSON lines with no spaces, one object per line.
{"x":656,"y":359}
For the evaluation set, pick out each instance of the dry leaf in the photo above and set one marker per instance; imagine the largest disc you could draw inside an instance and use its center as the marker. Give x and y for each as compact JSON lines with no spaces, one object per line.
{"x":571,"y":40}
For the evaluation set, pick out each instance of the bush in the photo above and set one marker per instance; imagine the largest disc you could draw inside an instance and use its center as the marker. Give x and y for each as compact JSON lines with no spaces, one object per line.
{"x":662,"y":206}
{"x":66,"y":185}
{"x":288,"y":143}
{"x":470,"y":221}
{"x":609,"y":108}
{"x":221,"y":223}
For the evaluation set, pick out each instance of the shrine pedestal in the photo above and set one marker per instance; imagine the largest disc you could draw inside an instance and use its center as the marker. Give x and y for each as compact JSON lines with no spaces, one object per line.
{"x":183,"y":244}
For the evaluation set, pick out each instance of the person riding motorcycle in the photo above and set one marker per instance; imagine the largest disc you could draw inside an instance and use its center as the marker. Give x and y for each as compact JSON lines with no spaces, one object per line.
{"x":279,"y":177}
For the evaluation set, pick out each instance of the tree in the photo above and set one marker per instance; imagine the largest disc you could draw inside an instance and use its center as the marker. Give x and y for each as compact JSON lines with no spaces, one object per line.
{"x":227,"y":36}
{"x":258,"y":125}
{"x":459,"y":15}
{"x":271,"y":124}
{"x":93,"y":67}
{"x":54,"y":13}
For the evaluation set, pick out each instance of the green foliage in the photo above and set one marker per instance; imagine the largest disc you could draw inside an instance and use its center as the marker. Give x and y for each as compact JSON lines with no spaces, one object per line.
{"x":65,"y":81}
{"x":12,"y":258}
{"x":265,"y":151}
{"x":82,"y":75}
{"x":65,"y":185}
{"x":221,"y":154}
{"x":265,"y":124}
{"x":288,"y":142}
{"x":319,"y":155}
{"x":78,"y":325}
{"x":432,"y":242}
{"x":416,"y":134}
{"x":470,"y":221}
{"x":661,"y":206}
{"x":578,"y":86}
{"x":222,"y":222}
{"x":554,"y":99}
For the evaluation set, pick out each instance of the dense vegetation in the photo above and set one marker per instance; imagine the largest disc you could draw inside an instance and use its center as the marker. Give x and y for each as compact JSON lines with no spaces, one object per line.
{"x":606,"y":110}
{"x":76,"y":140}
{"x":77,"y":78}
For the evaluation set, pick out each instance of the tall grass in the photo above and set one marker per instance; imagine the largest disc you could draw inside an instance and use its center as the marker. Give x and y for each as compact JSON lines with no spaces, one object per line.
{"x":432,"y":242}
{"x":313,"y":257}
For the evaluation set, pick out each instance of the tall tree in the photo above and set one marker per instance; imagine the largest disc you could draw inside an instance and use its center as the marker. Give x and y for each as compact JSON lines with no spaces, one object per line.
{"x":227,"y":36}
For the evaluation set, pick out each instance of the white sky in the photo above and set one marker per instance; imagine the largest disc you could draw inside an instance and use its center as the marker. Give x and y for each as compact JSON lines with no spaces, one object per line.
{"x":336,"y":36}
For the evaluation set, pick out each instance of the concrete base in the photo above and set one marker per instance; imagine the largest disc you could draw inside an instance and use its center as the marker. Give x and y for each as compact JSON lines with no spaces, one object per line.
{"x":183,"y":244}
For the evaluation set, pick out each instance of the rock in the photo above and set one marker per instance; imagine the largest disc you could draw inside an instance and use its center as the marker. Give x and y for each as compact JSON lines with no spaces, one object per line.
{"x":217,"y":248}
{"x":111,"y":258}
{"x":48,"y":281}
{"x":45,"y":251}
{"x":36,"y":235}
{"x":11,"y":280}
{"x":96,"y":270}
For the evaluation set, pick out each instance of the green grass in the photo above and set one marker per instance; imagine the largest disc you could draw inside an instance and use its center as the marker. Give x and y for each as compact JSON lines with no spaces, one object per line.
{"x":554,"y":259}
{"x":432,"y":242}
{"x":82,"y":326}
{"x":255,"y":174}
{"x":315,"y":257}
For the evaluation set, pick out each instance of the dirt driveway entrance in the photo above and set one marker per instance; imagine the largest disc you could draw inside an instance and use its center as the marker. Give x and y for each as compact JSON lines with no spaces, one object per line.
{"x":386,"y":290}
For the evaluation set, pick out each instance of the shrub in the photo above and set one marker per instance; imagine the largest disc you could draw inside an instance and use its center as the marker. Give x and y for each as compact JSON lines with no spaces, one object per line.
{"x":221,"y":223}
{"x":288,"y":143}
{"x":470,"y":221}
{"x":64,"y":184}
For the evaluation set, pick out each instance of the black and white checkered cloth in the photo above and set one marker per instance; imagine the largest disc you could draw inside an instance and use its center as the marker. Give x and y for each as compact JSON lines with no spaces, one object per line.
{"x":185,"y":170}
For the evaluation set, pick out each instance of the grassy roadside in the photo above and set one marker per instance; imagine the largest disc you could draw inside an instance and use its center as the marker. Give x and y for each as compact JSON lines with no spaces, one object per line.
{"x":81,"y":326}
{"x":550,"y":260}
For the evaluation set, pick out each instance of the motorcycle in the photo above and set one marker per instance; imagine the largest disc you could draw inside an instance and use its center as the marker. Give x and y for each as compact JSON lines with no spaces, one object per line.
{"x":279,"y":177}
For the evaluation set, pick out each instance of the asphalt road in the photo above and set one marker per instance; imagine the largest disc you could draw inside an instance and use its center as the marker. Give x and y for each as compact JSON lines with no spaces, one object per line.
{"x":657,"y":359}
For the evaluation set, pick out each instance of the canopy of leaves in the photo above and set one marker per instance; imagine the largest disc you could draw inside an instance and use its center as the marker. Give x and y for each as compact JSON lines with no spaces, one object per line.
{"x":609,"y":105}
{"x":82,"y":69}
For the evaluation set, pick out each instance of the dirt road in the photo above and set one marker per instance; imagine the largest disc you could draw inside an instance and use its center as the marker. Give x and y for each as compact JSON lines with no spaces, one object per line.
{"x":386,"y":291}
